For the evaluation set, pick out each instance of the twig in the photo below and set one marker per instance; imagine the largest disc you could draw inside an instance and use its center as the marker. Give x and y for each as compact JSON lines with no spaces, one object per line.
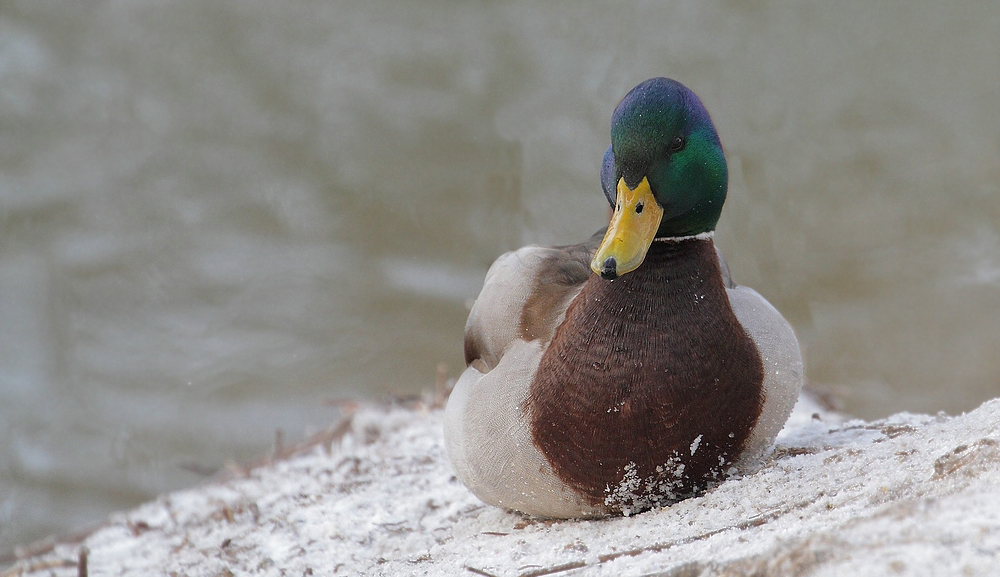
{"x":442,"y":386}
{"x":479,"y":571}
{"x":279,"y":444}
{"x":658,"y":547}
{"x":48,"y":544}
{"x":20,"y":570}
{"x":556,"y":569}
{"x":81,"y":562}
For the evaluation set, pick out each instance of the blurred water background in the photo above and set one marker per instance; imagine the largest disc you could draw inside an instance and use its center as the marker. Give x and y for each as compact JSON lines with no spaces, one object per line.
{"x":215,"y":215}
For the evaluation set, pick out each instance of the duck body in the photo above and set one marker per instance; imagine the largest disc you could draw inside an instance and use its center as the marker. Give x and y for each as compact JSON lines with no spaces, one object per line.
{"x":592,"y":390}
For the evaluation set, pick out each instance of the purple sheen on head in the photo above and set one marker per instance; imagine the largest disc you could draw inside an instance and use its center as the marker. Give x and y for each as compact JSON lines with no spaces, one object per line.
{"x":608,"y":177}
{"x":655,"y":104}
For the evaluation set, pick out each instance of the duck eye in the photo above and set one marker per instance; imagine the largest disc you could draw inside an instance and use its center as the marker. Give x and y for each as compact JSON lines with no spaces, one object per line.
{"x":638,"y":208}
{"x":677,"y":143}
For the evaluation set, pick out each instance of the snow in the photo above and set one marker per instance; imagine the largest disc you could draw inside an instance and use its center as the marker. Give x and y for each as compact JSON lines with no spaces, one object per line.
{"x":907,"y":495}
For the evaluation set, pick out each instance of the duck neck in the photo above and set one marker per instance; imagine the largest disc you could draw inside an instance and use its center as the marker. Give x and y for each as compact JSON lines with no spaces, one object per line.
{"x":707,"y":235}
{"x":675,"y":270}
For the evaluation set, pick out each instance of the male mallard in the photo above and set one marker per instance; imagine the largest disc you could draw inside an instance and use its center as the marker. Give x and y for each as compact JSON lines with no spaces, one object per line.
{"x":629,"y":372}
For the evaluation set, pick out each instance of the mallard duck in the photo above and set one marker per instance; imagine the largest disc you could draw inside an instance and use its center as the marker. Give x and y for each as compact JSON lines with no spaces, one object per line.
{"x":627,"y":372}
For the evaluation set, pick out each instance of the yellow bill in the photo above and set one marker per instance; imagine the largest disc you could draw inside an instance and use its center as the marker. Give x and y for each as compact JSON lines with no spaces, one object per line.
{"x":635,"y":221}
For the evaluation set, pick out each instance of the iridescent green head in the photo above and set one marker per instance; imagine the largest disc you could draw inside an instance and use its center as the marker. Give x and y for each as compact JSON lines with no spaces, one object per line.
{"x":664,"y":173}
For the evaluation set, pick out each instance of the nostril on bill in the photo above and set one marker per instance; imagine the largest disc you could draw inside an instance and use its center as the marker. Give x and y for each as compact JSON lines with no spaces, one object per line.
{"x":609,"y":270}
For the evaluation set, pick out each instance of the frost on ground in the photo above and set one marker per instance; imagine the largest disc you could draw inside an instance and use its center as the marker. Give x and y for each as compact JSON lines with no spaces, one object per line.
{"x":909,"y":495}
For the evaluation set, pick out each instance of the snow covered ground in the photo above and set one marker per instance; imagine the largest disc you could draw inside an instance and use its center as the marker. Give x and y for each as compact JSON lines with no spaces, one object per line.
{"x":908,"y":495}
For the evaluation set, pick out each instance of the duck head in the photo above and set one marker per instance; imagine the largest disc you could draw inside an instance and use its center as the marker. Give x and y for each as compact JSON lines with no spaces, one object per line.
{"x":664,"y":173}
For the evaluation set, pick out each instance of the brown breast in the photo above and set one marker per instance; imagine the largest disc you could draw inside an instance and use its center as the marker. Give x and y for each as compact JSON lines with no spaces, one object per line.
{"x":650,"y":386}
